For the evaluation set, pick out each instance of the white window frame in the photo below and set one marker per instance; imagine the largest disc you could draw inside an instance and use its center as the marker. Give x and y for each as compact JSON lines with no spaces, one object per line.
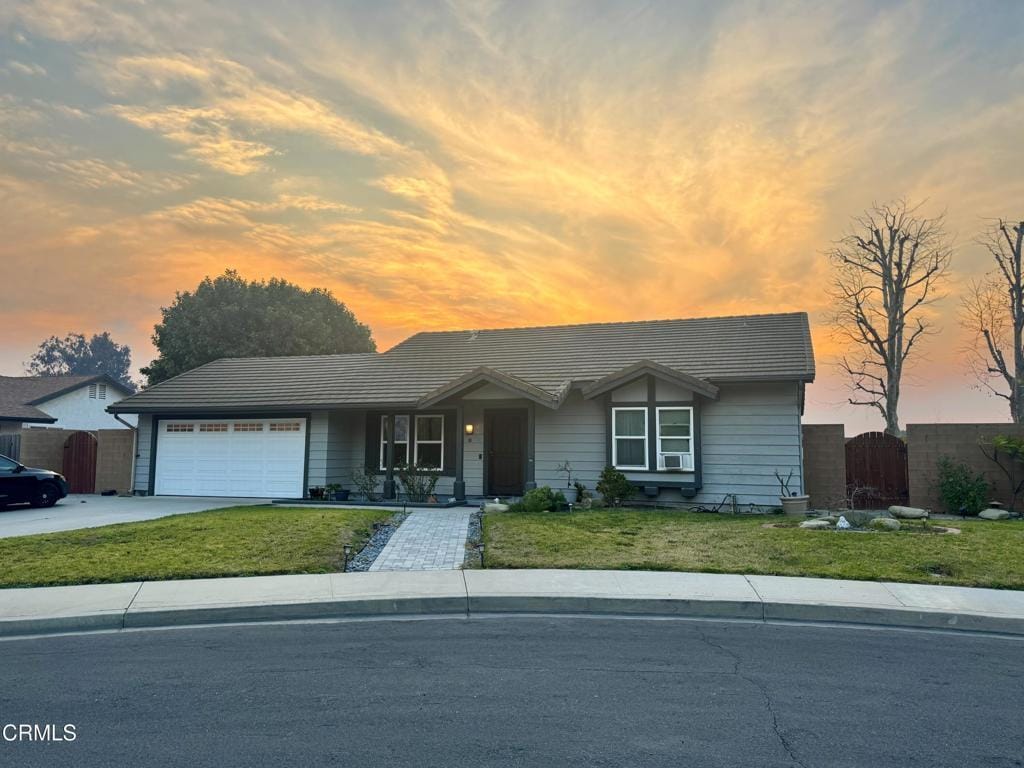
{"x":616,"y":437}
{"x":689,"y":456}
{"x":384,"y":442}
{"x":417,"y":442}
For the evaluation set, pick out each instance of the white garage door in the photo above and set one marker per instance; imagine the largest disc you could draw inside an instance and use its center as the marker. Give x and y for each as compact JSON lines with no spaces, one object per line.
{"x":244,"y":457}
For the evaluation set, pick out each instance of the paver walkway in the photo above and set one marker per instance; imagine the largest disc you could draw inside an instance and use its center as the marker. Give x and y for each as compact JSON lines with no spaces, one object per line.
{"x":428,"y":540}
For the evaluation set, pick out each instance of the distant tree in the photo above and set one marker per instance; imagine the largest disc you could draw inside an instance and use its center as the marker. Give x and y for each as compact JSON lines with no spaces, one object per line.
{"x":993,"y":311}
{"x":886,"y":270}
{"x":228,"y":316}
{"x":74,"y":355}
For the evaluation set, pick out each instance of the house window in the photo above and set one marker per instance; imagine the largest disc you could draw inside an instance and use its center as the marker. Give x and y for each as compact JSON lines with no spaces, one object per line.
{"x":98,"y":391}
{"x":429,"y":449}
{"x":401,"y":441}
{"x":285,"y":426}
{"x":249,"y":427}
{"x":629,"y":438}
{"x":675,"y":438}
{"x":179,"y":427}
{"x":213,"y":427}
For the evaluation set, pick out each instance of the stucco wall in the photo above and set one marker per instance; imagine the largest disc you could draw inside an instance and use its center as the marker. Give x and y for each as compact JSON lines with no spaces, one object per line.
{"x":76,"y":410}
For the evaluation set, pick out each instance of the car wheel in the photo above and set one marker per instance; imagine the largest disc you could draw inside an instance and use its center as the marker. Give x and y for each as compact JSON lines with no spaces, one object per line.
{"x":46,"y":495}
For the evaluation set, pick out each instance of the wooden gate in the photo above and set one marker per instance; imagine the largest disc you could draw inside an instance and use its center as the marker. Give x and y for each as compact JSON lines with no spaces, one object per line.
{"x":876,"y":471}
{"x":80,"y":462}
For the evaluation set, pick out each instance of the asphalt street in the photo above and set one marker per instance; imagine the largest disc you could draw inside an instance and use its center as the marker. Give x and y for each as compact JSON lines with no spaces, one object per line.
{"x":517,"y":691}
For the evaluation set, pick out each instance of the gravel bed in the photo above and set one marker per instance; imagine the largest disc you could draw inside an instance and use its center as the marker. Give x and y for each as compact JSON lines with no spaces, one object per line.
{"x":475,"y":536}
{"x":365,"y":557}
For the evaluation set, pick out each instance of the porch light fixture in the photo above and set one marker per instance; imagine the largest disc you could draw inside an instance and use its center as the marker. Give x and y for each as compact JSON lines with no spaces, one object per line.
{"x":469,"y":429}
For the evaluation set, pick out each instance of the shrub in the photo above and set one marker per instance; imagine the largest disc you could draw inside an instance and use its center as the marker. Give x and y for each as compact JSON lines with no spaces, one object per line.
{"x":365,"y":482}
{"x":961,"y":488}
{"x":541,"y":499}
{"x":614,"y":487}
{"x":418,"y":480}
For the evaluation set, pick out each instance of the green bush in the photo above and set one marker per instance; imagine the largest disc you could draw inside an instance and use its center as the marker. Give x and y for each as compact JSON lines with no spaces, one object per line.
{"x":614,"y":487}
{"x":541,"y":499}
{"x":961,"y":488}
{"x":418,"y":480}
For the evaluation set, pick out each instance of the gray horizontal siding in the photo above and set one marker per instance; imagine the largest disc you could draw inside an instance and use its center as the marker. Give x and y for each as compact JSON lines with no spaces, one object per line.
{"x":318,"y":432}
{"x":144,"y":447}
{"x":574,"y":433}
{"x":748,"y":433}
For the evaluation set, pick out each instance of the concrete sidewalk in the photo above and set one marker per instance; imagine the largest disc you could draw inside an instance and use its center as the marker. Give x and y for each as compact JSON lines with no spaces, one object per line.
{"x":466,"y":593}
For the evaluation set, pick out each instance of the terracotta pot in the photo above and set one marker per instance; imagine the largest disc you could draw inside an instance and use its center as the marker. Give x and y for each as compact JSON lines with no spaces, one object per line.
{"x":795,"y":504}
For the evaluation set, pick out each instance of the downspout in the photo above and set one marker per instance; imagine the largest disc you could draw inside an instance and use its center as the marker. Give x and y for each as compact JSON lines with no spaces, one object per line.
{"x":135,"y":450}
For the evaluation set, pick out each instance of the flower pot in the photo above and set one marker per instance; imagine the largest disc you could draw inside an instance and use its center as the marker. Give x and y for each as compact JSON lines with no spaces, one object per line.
{"x":570,"y":495}
{"x":793,"y":505}
{"x":341,"y":495}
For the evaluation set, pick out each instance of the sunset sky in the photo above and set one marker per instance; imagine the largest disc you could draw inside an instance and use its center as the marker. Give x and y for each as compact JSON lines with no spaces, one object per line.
{"x":473,"y":165}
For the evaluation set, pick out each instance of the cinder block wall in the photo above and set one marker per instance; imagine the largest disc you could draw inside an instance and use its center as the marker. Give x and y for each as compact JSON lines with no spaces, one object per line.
{"x":44,"y":448}
{"x":825,"y":464}
{"x":114,"y":460}
{"x":927,"y":443}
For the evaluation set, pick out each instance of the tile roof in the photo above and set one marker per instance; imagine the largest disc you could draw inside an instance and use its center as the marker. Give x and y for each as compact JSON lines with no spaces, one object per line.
{"x":716,"y":349}
{"x":19,"y":395}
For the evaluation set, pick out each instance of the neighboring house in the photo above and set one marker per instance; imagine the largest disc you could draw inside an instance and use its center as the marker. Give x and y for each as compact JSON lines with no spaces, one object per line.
{"x":690,"y":410}
{"x":67,"y":402}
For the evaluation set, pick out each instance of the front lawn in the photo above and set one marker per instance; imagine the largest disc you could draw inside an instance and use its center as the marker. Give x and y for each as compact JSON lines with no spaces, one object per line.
{"x":241,"y":541}
{"x":985,"y":554}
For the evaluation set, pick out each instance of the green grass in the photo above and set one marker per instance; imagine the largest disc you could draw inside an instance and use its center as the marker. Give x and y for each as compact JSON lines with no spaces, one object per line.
{"x":241,"y":541}
{"x":985,"y":554}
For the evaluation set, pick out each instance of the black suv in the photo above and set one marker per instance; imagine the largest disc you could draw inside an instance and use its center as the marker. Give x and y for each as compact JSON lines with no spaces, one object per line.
{"x":20,"y":484}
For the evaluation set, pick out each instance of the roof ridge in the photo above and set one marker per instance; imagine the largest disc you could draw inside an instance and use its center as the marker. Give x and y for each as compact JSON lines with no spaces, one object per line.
{"x":605,"y":323}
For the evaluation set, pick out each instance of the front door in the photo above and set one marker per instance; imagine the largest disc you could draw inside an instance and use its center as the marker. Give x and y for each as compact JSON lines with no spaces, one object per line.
{"x":505,"y":437}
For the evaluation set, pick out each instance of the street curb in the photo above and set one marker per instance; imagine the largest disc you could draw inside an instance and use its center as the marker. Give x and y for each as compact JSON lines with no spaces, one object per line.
{"x":471,"y":605}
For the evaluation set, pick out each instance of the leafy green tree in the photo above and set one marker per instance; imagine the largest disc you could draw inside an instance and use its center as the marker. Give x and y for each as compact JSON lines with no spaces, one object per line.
{"x":75,"y":355}
{"x":228,"y":316}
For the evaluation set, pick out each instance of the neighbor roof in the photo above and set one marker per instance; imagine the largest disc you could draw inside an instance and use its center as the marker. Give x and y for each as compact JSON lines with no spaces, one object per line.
{"x":19,"y":395}
{"x":542,"y":361}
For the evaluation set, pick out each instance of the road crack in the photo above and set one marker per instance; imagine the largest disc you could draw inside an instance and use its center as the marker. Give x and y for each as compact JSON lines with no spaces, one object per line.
{"x":769,"y":704}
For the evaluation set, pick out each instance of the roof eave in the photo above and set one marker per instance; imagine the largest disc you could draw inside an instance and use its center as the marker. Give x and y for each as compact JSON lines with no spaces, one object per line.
{"x":486,"y":375}
{"x":640,"y":368}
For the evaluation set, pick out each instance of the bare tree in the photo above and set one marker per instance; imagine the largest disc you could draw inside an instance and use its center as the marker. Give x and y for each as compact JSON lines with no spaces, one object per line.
{"x":887,"y":269}
{"x":994,"y":311}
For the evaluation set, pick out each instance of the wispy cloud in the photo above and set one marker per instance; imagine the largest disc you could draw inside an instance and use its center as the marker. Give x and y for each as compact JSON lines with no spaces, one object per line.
{"x":478,"y":164}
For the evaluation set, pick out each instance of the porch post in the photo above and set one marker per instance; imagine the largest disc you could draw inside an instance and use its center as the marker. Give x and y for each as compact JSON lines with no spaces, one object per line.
{"x":389,"y":475}
{"x":459,"y":487}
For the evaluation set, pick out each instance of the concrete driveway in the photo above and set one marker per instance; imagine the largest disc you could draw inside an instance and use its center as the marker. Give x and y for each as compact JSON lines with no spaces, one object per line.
{"x":89,"y":511}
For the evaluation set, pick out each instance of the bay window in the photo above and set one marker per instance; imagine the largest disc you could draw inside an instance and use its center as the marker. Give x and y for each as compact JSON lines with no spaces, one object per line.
{"x":675,"y":438}
{"x":629,"y":438}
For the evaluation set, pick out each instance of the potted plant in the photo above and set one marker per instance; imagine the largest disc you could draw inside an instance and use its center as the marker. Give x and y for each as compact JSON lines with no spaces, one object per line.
{"x":335,"y":492}
{"x":570,"y":487}
{"x":316,"y":492}
{"x":792,"y":503}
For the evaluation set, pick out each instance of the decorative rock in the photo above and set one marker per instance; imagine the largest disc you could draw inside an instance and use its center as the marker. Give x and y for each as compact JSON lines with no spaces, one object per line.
{"x":843,"y":524}
{"x":492,"y":506}
{"x":884,"y":524}
{"x":993,"y":514}
{"x":816,"y":525}
{"x":908,"y":513}
{"x":831,"y":519}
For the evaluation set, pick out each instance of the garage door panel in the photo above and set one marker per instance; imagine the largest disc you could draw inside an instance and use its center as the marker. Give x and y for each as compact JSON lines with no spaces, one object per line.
{"x":251,"y":457}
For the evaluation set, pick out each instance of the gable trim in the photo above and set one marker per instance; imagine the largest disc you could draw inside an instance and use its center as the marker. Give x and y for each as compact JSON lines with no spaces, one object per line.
{"x":643,"y":368}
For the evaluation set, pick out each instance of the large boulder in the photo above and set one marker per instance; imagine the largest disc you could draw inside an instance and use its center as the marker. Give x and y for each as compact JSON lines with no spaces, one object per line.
{"x":884,"y":524}
{"x":908,"y":513}
{"x":816,"y":525}
{"x":993,"y":514}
